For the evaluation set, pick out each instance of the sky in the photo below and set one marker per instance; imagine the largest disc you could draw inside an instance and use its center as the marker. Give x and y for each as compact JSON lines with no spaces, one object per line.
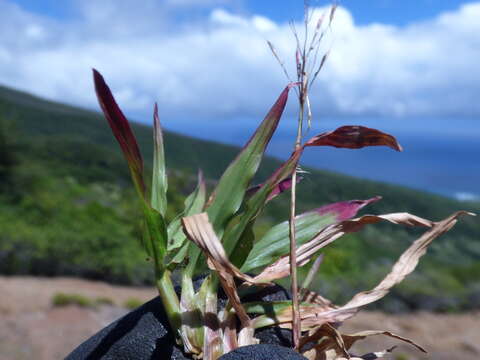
{"x":410,"y":68}
{"x":207,"y":60}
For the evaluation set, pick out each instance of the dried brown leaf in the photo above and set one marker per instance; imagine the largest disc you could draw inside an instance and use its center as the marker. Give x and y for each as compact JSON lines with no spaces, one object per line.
{"x":281,"y":268}
{"x":330,"y":344}
{"x":200,"y":231}
{"x":311,"y":297}
{"x":312,"y":272}
{"x":406,"y":263}
{"x":404,"y":266}
{"x":315,"y":316}
{"x":350,"y":339}
{"x":336,"y":345}
{"x":278,"y":270}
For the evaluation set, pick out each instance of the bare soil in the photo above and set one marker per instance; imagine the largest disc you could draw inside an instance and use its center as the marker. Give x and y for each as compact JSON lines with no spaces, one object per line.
{"x":31,"y":328}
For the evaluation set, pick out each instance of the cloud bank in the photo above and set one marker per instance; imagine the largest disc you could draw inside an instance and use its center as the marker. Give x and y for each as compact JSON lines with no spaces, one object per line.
{"x":205,"y":61}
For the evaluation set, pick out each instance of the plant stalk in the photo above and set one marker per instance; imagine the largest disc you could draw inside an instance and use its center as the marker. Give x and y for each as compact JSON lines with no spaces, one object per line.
{"x":169,"y":298}
{"x":296,"y":326}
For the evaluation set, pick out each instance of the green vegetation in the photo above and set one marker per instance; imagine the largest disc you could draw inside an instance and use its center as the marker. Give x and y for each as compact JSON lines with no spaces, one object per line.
{"x":132,"y":303}
{"x":62,"y":299}
{"x":67,"y":208}
{"x":65,"y":299}
{"x":103,"y":300}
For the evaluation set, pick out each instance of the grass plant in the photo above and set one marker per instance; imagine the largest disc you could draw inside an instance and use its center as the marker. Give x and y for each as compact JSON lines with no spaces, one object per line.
{"x":215,"y":235}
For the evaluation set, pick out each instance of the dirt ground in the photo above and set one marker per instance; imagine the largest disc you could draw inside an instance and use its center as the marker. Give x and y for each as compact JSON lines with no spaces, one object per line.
{"x":31,"y":328}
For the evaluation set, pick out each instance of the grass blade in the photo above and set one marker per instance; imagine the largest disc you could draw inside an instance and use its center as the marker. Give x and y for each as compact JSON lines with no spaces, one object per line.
{"x":194,"y":204}
{"x":230,"y":191}
{"x":231,"y":188}
{"x":121,"y":130}
{"x":275,"y":243}
{"x":159,"y":178}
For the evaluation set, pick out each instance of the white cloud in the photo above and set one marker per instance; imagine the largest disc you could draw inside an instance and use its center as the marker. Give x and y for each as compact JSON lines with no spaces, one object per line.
{"x":219,"y":67}
{"x":196,"y":3}
{"x":466,"y":196}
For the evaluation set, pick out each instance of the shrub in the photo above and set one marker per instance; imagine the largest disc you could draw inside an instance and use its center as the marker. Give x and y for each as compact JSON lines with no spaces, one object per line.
{"x":132,"y":303}
{"x":63,"y":299}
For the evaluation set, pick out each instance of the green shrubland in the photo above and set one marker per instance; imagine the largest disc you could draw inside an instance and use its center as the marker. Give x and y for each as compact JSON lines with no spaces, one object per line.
{"x":67,"y":208}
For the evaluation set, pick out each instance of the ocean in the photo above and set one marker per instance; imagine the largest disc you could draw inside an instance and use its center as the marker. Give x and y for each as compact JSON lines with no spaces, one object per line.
{"x":440,"y":155}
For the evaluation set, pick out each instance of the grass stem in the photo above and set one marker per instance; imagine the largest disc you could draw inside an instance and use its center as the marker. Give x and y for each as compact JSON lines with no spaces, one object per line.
{"x":169,"y":298}
{"x":296,"y":325}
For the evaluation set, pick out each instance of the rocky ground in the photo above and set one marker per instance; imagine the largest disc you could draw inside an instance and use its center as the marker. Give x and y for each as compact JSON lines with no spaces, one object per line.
{"x":32,"y":328}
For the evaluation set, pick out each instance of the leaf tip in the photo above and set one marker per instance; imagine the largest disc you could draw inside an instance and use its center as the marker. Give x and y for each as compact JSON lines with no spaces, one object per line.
{"x":397,"y":146}
{"x":97,"y":78}
{"x":200,"y":176}
{"x":156,"y":118}
{"x":344,"y":210}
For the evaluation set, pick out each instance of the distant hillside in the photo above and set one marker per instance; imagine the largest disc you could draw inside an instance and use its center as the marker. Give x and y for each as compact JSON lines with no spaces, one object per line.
{"x":67,"y":208}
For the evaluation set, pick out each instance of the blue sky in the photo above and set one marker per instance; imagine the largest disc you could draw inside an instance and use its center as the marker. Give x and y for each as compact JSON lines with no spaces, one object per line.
{"x":385,"y":11}
{"x":406,"y":67}
{"x":207,"y":59}
{"x":365,"y":12}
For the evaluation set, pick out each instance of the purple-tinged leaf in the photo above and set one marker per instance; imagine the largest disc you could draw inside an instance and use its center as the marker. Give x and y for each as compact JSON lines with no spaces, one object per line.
{"x":230,"y":191}
{"x":405,"y":264}
{"x":155,"y":228}
{"x":315,"y":316}
{"x":231,"y":188}
{"x":344,"y":210}
{"x":121,"y":130}
{"x":255,"y":204}
{"x":354,"y":137}
{"x":347,"y":136}
{"x":335,"y":231}
{"x":275,"y":243}
{"x":284,"y":185}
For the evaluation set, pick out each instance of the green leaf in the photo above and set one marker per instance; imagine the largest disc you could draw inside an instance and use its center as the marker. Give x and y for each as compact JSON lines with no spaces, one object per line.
{"x":244,"y":246}
{"x":275,"y":243}
{"x":156,"y":235}
{"x":231,"y":188}
{"x":266,"y":308}
{"x":270,"y":309}
{"x":353,"y":137}
{"x":230,"y":191}
{"x":179,"y":256}
{"x":255,"y":204}
{"x":194,"y":204}
{"x":159,"y":177}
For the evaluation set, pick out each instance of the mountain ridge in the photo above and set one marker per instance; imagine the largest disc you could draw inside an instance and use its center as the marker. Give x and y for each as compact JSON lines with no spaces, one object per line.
{"x":72,"y":150}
